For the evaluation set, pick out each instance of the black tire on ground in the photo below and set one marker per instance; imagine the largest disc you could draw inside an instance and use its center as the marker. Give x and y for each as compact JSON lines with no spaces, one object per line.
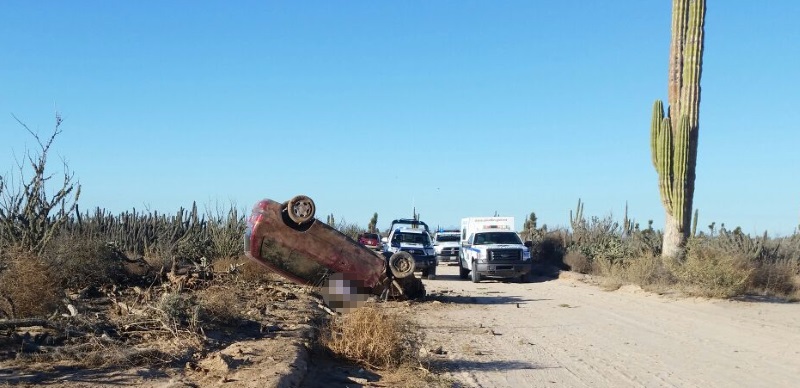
{"x":432,"y":274}
{"x":401,"y":264}
{"x":425,"y":272}
{"x":463,"y":273}
{"x":476,"y":277}
{"x":301,"y":209}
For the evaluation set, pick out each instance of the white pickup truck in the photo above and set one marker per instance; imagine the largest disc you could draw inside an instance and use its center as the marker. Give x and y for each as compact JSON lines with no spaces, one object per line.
{"x":491,"y":247}
{"x":446,"y":244}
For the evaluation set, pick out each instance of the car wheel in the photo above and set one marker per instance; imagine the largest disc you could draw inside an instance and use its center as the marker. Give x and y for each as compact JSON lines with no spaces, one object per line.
{"x":476,"y":277}
{"x":463,"y":273}
{"x":432,"y":274}
{"x":301,"y":209}
{"x":401,"y":264}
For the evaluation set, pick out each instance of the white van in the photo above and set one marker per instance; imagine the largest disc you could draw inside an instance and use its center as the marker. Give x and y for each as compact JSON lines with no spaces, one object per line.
{"x":490,"y":247}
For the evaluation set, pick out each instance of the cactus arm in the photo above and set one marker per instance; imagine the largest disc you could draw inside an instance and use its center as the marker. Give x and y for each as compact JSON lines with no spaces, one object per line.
{"x":681,"y":161}
{"x":655,"y":127}
{"x":664,"y":169}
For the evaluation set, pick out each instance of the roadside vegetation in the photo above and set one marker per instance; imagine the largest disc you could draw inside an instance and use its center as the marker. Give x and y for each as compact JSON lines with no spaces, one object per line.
{"x":718,"y":263}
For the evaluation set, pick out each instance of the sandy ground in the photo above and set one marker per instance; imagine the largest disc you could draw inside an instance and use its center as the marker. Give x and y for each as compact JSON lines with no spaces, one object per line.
{"x":569,"y":333}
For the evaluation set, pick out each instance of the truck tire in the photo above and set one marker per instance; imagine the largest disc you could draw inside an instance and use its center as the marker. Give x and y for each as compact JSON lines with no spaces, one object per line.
{"x":432,"y":273}
{"x":476,"y":277}
{"x":401,"y":264}
{"x":463,"y":273}
{"x":301,"y":209}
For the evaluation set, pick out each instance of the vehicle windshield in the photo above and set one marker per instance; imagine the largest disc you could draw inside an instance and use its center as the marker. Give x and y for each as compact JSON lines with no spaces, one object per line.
{"x":373,"y":236}
{"x":411,"y":238}
{"x":447,"y":237}
{"x":497,"y":238}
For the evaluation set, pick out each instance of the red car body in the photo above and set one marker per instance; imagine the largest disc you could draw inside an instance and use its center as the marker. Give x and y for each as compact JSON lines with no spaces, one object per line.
{"x":307,"y":253}
{"x":370,"y":240}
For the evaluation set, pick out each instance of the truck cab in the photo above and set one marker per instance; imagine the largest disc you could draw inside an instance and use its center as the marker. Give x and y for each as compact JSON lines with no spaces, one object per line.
{"x":491,"y":248}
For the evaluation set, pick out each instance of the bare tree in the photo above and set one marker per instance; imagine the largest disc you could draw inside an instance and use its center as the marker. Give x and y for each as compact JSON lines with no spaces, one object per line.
{"x":29,"y":215}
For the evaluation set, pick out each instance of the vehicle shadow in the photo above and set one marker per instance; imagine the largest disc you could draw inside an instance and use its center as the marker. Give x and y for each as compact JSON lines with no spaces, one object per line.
{"x":539,"y":275}
{"x":62,"y":374}
{"x":456,"y":365}
{"x":481,"y":299}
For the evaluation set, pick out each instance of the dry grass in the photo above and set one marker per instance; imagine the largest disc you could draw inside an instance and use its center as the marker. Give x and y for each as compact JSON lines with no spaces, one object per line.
{"x":709,"y":272}
{"x":373,"y":336}
{"x":83,"y":262}
{"x":647,"y":271}
{"x":578,"y":262}
{"x":220,"y":306}
{"x":100,"y":353}
{"x":28,"y":287}
{"x":778,"y":278}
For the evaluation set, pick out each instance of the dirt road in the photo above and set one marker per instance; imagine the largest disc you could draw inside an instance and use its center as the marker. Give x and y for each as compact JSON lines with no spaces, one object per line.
{"x":567,"y":333}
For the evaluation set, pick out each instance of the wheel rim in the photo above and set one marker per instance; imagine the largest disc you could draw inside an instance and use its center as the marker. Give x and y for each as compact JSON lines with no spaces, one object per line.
{"x":401,"y":264}
{"x":301,"y":209}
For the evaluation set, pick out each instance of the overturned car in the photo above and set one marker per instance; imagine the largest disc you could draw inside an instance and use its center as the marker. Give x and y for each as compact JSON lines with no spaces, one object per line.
{"x":286,"y":238}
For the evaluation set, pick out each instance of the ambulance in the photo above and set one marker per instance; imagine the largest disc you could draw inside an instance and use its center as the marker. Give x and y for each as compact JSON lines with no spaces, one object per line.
{"x":491,"y":248}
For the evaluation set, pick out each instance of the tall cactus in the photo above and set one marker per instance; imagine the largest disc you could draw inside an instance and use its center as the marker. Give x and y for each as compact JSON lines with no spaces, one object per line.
{"x":673,"y":137}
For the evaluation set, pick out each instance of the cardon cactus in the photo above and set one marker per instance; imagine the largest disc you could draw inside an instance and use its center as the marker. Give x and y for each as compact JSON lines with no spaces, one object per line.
{"x":673,"y":136}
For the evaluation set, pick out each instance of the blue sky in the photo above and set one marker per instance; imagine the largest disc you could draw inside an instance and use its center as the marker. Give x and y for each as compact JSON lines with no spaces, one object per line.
{"x":460,"y":108}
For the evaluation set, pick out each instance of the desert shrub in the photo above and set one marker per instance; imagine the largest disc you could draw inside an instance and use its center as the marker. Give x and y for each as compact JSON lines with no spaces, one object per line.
{"x":577,"y":262}
{"x":598,"y":237}
{"x":775,"y":278}
{"x":641,"y":243}
{"x":373,"y":336}
{"x":712,"y":272}
{"x":225,"y":230}
{"x":646,"y":270}
{"x":84,"y":262}
{"x":551,"y":248}
{"x":219,"y":306}
{"x":29,"y":286}
{"x":178,"y":310}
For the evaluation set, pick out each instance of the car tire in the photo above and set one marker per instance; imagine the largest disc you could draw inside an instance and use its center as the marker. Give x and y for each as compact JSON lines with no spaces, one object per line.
{"x":401,"y":264}
{"x":476,"y":277}
{"x":432,"y":274}
{"x":301,"y":209}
